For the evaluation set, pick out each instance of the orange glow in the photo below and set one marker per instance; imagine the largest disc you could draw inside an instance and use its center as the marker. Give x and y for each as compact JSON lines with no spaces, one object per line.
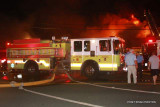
{"x":136,"y":22}
{"x":27,"y":35}
{"x":132,"y":16}
{"x":144,"y":33}
{"x":114,"y":25}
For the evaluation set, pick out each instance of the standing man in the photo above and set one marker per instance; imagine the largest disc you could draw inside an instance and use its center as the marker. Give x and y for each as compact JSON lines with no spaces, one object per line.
{"x":127,"y":52}
{"x":131,"y":63}
{"x":140,"y":65}
{"x":153,"y":64}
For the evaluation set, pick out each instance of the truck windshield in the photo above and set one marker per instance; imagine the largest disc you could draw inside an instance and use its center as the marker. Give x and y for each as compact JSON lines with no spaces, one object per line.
{"x":118,"y":47}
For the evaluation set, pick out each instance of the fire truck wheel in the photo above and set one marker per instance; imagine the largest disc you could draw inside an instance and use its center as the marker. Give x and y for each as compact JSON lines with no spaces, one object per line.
{"x":32,"y":71}
{"x":90,"y":70}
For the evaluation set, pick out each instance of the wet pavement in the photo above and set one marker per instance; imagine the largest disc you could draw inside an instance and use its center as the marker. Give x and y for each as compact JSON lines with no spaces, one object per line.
{"x":117,"y":77}
{"x":107,"y":90}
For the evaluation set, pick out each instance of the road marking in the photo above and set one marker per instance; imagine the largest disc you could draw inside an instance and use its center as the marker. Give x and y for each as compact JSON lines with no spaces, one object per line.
{"x":63,"y":99}
{"x":110,"y":83}
{"x":123,"y":89}
{"x":149,"y":92}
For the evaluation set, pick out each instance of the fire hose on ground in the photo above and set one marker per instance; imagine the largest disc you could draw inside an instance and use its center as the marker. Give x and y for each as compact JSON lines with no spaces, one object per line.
{"x":21,"y":84}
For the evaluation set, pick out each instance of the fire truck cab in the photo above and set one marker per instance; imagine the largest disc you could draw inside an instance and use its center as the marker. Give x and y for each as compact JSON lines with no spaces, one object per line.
{"x":94,"y":55}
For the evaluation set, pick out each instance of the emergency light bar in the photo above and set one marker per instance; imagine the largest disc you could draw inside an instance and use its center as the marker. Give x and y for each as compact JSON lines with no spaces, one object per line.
{"x":65,"y":38}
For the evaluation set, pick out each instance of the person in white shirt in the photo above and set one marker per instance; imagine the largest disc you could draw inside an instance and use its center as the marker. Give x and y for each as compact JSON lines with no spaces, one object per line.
{"x":153,"y":64}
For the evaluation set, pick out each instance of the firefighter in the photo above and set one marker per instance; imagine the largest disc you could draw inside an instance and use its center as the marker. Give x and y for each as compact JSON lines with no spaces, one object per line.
{"x":140,"y":65}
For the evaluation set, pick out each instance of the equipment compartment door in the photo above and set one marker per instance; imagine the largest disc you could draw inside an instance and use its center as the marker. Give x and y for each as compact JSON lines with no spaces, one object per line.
{"x":76,"y":54}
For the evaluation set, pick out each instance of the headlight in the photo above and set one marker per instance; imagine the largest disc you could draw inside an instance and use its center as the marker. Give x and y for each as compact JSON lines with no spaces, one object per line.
{"x":19,"y":76}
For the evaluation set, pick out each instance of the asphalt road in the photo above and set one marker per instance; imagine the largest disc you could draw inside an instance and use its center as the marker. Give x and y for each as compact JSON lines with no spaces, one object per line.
{"x":64,"y":93}
{"x":80,"y":95}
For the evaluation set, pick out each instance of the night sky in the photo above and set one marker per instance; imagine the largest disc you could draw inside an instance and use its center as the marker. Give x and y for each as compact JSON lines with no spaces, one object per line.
{"x":43,"y":19}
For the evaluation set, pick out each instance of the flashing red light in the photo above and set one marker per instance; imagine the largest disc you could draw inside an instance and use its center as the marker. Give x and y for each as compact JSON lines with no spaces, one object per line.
{"x":67,"y":81}
{"x":150,"y":40}
{"x":5,"y":78}
{"x":8,"y":43}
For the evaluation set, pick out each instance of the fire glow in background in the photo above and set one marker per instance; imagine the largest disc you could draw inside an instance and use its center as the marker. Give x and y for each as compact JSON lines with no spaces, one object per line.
{"x":74,"y":18}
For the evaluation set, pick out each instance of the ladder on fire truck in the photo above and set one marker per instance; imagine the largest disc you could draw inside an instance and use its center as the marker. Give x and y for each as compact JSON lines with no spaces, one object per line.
{"x":152,"y":25}
{"x":152,"y":42}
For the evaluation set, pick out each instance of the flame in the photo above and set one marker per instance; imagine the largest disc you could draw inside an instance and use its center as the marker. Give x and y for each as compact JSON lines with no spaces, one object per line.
{"x":114,"y":25}
{"x":144,"y":33}
{"x":135,"y":20}
{"x":27,"y":35}
{"x":132,"y":16}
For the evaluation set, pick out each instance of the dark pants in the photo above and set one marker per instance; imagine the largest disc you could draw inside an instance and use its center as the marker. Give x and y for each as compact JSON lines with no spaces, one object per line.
{"x":139,"y":70}
{"x":155,"y":72}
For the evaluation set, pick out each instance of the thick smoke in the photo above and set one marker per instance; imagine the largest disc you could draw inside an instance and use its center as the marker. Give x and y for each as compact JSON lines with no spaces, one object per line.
{"x":73,"y":18}
{"x":130,"y":29}
{"x":77,"y":19}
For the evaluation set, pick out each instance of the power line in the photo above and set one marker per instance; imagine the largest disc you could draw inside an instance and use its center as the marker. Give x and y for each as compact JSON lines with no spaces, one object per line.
{"x":48,"y":28}
{"x":43,"y":28}
{"x":85,"y":24}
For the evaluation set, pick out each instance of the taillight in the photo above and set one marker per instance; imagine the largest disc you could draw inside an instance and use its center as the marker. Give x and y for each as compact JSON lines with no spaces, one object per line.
{"x":5,"y":78}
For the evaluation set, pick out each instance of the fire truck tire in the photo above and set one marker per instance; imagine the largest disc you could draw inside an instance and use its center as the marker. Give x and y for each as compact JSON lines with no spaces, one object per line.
{"x":31,"y":71}
{"x":90,"y":70}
